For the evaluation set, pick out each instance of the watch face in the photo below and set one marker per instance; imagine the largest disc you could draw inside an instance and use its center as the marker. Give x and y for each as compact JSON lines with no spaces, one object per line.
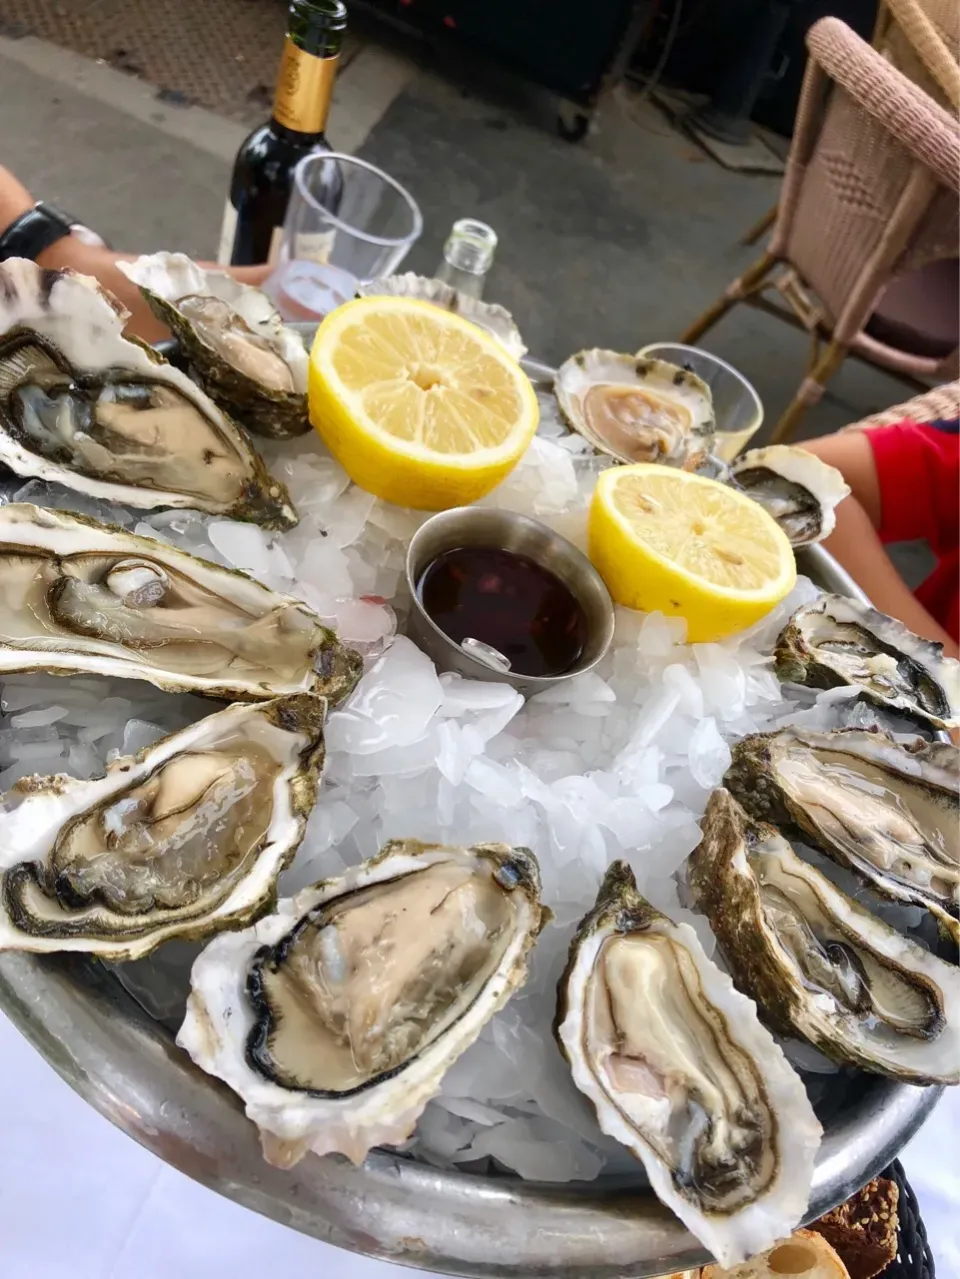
{"x":86,"y":236}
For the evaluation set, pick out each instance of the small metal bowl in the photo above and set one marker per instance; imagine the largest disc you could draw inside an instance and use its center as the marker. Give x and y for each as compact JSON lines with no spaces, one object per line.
{"x":508,"y":531}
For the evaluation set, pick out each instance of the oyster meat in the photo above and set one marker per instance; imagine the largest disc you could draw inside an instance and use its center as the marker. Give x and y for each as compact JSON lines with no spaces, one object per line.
{"x":796,"y":488}
{"x":78,"y":596}
{"x":335,"y":1018}
{"x":819,"y":964}
{"x":682,"y":1073}
{"x":486,"y":315}
{"x":637,"y":409}
{"x":183,"y":839}
{"x":836,"y":641}
{"x":248,"y":360}
{"x":889,"y":811}
{"x":82,"y":406}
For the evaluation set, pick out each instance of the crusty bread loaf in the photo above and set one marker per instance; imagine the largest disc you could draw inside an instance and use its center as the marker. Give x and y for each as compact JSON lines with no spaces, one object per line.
{"x":863,"y":1229}
{"x":805,"y":1255}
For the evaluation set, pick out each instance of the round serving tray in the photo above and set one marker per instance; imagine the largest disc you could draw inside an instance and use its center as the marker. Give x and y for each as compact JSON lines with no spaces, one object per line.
{"x":102,"y":1042}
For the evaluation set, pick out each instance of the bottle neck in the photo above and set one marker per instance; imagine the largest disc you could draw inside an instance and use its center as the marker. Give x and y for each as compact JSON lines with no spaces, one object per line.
{"x":308,"y":66}
{"x":468,"y":256}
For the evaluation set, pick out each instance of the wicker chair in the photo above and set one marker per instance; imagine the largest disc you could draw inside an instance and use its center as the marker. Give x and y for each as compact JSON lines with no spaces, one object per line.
{"x":940,"y":404}
{"x":870,"y":193}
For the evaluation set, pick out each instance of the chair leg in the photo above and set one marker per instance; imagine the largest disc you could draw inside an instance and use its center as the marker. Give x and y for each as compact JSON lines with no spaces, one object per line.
{"x":727,"y":300}
{"x":761,"y":226}
{"x":809,"y":392}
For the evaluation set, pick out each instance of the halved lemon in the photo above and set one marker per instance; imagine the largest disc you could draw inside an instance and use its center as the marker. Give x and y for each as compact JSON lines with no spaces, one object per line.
{"x":670,"y":541}
{"x":419,"y":406}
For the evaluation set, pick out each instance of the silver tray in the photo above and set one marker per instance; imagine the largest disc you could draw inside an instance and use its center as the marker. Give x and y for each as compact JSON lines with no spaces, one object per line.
{"x":101,"y":1041}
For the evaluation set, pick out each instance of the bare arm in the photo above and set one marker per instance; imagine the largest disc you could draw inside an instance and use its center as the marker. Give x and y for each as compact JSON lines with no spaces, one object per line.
{"x":101,"y":263}
{"x":856,"y":544}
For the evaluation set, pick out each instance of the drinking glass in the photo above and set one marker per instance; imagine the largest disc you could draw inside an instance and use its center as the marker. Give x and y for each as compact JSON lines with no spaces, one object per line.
{"x":347,"y":223}
{"x":736,"y":405}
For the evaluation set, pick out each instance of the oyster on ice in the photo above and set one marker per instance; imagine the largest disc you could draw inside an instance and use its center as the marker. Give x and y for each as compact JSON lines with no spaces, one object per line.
{"x":637,"y":409}
{"x":889,"y":811}
{"x":819,"y":964}
{"x":78,"y":596}
{"x":82,"y":406}
{"x":682,"y":1073}
{"x":336,"y":1017}
{"x":183,"y":839}
{"x":247,"y":359}
{"x":836,"y":641}
{"x":796,"y":488}
{"x":497,"y":320}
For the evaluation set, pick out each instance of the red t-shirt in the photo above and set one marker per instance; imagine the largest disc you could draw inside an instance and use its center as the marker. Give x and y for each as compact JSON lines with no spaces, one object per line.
{"x":918,"y":467}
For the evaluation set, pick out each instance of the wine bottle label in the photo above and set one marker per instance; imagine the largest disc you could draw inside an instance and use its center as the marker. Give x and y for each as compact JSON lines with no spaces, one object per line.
{"x":304,"y":89}
{"x":228,"y":230}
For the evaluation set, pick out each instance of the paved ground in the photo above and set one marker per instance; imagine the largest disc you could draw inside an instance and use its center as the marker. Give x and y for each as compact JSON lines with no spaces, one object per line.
{"x":615,"y":242}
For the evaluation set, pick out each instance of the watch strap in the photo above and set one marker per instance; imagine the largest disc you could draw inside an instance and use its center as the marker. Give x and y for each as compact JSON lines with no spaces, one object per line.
{"x":28,"y":235}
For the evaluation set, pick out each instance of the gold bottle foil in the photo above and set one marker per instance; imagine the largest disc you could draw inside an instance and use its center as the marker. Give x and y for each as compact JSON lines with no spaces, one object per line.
{"x":304,"y":89}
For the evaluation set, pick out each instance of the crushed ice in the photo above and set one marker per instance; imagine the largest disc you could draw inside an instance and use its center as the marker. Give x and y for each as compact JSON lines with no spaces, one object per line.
{"x":617,"y":763}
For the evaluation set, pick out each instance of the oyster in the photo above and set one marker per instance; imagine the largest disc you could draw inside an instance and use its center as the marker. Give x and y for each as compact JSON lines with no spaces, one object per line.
{"x":682,"y":1073}
{"x":248,"y":360}
{"x":82,"y":406}
{"x":336,"y":1018}
{"x":889,"y":811}
{"x":487,"y":315}
{"x":820,"y":965}
{"x":836,"y":641}
{"x":78,"y":596}
{"x":796,"y":488}
{"x":185,"y":838}
{"x":637,"y":409}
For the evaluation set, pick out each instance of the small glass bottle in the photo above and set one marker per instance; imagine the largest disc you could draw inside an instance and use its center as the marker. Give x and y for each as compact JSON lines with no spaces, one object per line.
{"x":468,"y":256}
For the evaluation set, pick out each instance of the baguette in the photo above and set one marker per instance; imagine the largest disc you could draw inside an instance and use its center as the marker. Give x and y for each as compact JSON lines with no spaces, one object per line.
{"x":805,"y":1255}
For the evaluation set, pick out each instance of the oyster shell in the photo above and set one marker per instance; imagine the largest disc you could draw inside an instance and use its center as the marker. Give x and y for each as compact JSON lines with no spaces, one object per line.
{"x":820,"y":965}
{"x":889,"y":811}
{"x":836,"y":641}
{"x":78,"y":596}
{"x":84,"y":407}
{"x":637,"y":409}
{"x":497,"y":320}
{"x":796,"y":488}
{"x":336,"y":1018}
{"x":185,"y":838}
{"x":247,"y":359}
{"x":682,"y":1073}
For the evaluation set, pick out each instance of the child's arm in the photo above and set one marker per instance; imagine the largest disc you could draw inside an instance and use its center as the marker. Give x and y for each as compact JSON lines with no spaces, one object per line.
{"x":855,"y":543}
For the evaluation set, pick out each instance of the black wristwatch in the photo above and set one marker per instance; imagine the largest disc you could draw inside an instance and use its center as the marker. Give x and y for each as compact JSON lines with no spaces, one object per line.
{"x":28,"y":235}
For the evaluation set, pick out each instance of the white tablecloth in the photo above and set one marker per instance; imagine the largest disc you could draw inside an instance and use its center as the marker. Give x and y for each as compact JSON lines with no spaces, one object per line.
{"x":80,"y":1200}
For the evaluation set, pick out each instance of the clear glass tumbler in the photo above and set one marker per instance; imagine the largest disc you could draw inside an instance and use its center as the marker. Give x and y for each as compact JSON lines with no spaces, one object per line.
{"x":736,"y":405}
{"x":347,"y":223}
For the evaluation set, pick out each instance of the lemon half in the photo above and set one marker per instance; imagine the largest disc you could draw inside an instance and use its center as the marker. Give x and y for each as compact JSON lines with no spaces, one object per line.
{"x":670,"y":541}
{"x":419,"y":406}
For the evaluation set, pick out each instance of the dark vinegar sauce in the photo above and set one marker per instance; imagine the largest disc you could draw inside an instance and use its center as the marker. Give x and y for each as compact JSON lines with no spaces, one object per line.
{"x":508,"y":601}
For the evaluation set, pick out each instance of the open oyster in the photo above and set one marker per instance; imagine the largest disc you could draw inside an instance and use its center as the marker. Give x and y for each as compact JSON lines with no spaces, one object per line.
{"x":637,"y":409}
{"x":836,"y":641}
{"x":246,"y":357}
{"x":185,"y":838}
{"x":891,"y":812}
{"x":336,"y":1018}
{"x":796,"y":488}
{"x":78,"y":596}
{"x":84,"y":407}
{"x":682,"y":1073}
{"x":497,"y":320}
{"x":820,"y":965}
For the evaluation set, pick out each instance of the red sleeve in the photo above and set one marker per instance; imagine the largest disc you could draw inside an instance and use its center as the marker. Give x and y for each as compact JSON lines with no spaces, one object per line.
{"x":918,"y":471}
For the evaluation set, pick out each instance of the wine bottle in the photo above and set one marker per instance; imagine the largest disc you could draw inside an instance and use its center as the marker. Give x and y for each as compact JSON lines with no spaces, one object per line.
{"x":263,"y":170}
{"x":468,"y":256}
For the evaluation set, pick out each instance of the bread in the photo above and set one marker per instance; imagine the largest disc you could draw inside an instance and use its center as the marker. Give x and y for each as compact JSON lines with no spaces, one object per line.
{"x":863,"y":1229}
{"x":805,"y":1255}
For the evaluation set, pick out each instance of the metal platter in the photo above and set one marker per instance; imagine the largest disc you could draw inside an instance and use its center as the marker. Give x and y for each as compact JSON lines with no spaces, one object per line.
{"x":124,"y":1063}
